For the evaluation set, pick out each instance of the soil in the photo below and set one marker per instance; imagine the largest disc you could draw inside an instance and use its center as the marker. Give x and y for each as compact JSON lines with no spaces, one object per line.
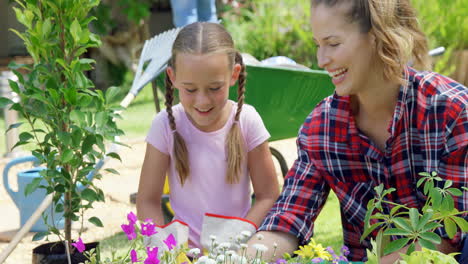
{"x":117,"y":190}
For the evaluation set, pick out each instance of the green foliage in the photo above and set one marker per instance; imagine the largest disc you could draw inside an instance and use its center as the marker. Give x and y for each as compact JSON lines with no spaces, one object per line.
{"x":446,"y":24}
{"x":411,"y":225}
{"x":134,"y":11}
{"x":70,"y":122}
{"x":418,"y":257}
{"x":266,"y":28}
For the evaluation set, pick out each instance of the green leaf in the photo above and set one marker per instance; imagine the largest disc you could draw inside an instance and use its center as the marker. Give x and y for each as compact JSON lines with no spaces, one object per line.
{"x":447,"y":184}
{"x":411,"y":248}
{"x":432,"y":237}
{"x":59,"y":208}
{"x":447,"y":203}
{"x":461,"y":222}
{"x":89,"y":195}
{"x":75,"y":30}
{"x":77,"y":117}
{"x":414,"y":217}
{"x":31,"y":187}
{"x":396,"y":245}
{"x":423,"y":220}
{"x":71,"y":95}
{"x":396,"y":232}
{"x":67,"y":155}
{"x":436,"y":198}
{"x":450,"y":227}
{"x":426,"y":244}
{"x":369,"y":230}
{"x":114,"y":155}
{"x":420,"y":181}
{"x":401,"y":222}
{"x":425,"y":174}
{"x":96,"y":221}
{"x":25,"y":136}
{"x":5,"y":102}
{"x":113,"y":171}
{"x":12,"y":126}
{"x":101,"y":119}
{"x":430,"y":226}
{"x":455,"y":192}
{"x":87,"y":145}
{"x":111,"y":93}
{"x":40,"y":235}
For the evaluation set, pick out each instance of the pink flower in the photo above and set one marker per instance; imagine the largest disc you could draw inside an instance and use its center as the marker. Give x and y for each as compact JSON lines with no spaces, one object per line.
{"x":133,"y":256}
{"x":79,"y":245}
{"x":148,"y":228}
{"x":132,"y":219}
{"x":152,"y":256}
{"x":170,"y":241}
{"x":129,"y":231}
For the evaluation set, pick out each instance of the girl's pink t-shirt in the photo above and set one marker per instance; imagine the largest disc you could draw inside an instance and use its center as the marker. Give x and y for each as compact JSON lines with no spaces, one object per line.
{"x":206,"y":189}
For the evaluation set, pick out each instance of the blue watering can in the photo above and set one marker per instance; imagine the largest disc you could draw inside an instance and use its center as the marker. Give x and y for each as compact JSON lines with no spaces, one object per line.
{"x":28,"y":204}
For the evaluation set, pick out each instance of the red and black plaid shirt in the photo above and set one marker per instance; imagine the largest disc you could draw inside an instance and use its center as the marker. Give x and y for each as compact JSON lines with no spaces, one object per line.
{"x":429,"y":132}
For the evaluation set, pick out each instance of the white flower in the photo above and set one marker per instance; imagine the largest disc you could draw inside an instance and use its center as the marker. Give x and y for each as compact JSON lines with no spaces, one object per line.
{"x":246,"y":234}
{"x":224,"y":245}
{"x":260,"y":237}
{"x":202,"y":260}
{"x":275,"y":245}
{"x":194,"y":251}
{"x":220,"y":258}
{"x":260,"y":247}
{"x":239,"y":238}
{"x":230,"y":253}
{"x":243,"y":246}
{"x":210,"y":261}
{"x":213,"y":237}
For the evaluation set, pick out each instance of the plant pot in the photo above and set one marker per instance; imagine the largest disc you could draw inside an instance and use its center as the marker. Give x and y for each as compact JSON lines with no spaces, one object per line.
{"x":54,"y":253}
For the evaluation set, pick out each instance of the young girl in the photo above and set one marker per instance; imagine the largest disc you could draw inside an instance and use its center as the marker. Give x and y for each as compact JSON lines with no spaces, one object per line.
{"x":208,"y":145}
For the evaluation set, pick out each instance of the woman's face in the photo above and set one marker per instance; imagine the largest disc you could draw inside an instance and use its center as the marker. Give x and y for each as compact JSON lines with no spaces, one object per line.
{"x":343,"y":51}
{"x":203,"y":82}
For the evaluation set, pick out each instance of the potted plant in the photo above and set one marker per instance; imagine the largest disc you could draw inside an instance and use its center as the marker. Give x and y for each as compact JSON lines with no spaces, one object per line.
{"x":414,"y":227}
{"x":70,"y":122}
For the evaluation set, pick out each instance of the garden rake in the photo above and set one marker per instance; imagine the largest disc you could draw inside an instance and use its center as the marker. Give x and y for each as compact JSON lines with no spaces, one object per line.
{"x":153,"y":59}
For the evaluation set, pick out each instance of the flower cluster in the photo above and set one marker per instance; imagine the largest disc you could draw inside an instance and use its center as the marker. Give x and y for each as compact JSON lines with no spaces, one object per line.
{"x":316,"y":253}
{"x":234,"y":252}
{"x":136,"y":232}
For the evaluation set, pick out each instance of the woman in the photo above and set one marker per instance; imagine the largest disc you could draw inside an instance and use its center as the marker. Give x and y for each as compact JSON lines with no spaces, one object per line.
{"x":385,"y":123}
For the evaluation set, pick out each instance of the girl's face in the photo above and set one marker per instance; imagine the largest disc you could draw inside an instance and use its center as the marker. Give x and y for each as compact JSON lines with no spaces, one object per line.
{"x":343,"y":51}
{"x":203,"y":82}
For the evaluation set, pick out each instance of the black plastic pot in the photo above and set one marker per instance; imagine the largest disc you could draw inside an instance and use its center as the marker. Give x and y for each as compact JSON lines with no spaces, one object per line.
{"x":54,"y":253}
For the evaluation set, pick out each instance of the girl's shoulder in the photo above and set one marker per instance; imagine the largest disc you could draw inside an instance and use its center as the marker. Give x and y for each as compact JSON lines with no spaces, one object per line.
{"x":248,"y":114}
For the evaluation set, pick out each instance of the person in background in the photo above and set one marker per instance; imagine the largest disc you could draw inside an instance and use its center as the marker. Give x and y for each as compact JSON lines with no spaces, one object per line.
{"x":186,"y":12}
{"x":212,"y":148}
{"x":385,"y":123}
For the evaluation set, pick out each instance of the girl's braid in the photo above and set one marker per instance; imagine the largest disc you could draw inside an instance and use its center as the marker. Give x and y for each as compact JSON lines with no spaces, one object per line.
{"x":169,"y":100}
{"x":240,"y":86}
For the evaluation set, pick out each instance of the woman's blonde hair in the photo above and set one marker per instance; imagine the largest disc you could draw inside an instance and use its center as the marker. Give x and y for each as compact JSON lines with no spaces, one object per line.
{"x":394,"y":24}
{"x":207,"y":38}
